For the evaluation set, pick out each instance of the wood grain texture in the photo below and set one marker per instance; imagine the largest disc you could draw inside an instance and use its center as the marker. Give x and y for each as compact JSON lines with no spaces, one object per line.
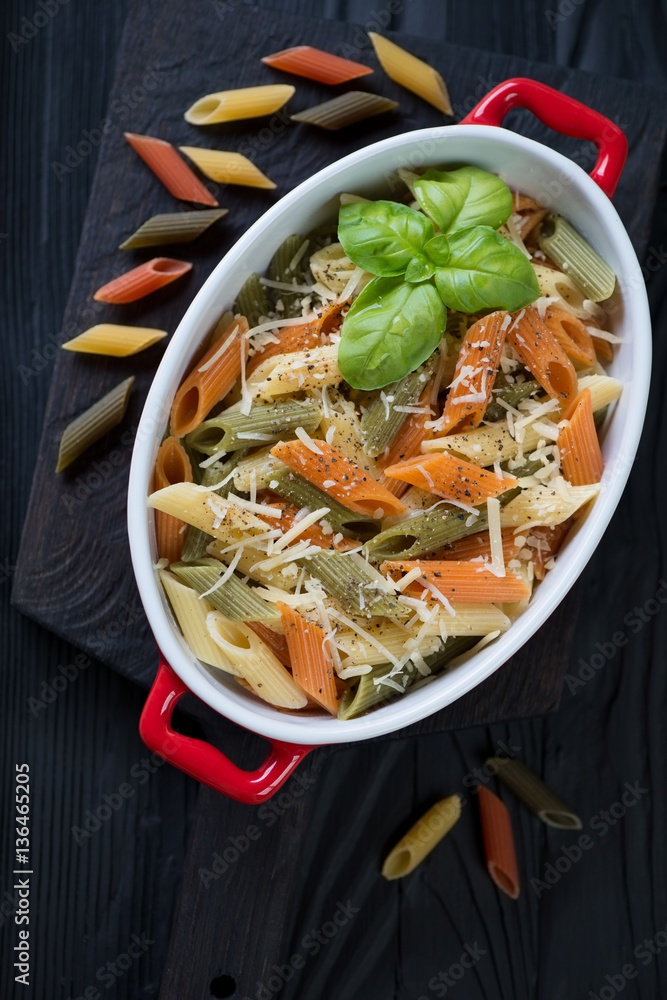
{"x":83,"y":745}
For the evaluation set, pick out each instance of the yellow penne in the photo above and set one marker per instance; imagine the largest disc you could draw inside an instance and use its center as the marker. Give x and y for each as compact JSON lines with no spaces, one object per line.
{"x":204,"y":509}
{"x":538,"y":505}
{"x":604,"y":390}
{"x":254,"y":661}
{"x":114,"y":340}
{"x":481,"y":445}
{"x":342,"y":430}
{"x":227,"y":168}
{"x":190,"y":611}
{"x":233,"y":105}
{"x":261,"y":463}
{"x":411,"y":73}
{"x":562,"y":292}
{"x":293,"y":372}
{"x":249,"y":563}
{"x":420,"y":840}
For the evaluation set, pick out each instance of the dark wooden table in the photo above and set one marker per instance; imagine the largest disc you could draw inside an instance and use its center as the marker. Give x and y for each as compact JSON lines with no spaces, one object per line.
{"x":110,"y":826}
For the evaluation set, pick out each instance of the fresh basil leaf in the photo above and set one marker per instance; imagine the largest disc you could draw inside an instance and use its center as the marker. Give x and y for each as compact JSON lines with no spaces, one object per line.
{"x":459,"y":199}
{"x":382,"y":236}
{"x":420,"y":268}
{"x":390,"y":330}
{"x":437,"y":250}
{"x":485,"y":271}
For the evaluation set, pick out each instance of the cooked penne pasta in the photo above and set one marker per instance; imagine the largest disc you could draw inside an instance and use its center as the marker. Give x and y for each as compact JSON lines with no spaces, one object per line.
{"x":542,"y":355}
{"x":170,"y":168}
{"x":578,"y":444}
{"x":315,"y":64}
{"x":256,"y":662}
{"x":171,"y":466}
{"x":346,"y":109}
{"x":453,"y":479}
{"x":412,"y":73}
{"x":380,"y":481}
{"x":172,"y":227}
{"x":420,"y":840}
{"x":142,"y":280}
{"x":93,"y":423}
{"x":234,"y":105}
{"x":572,"y":253}
{"x":190,"y":611}
{"x":533,"y":792}
{"x":227,"y":168}
{"x":329,"y":470}
{"x":211,"y":378}
{"x":114,"y":340}
{"x":498,"y":843}
{"x":312,"y":668}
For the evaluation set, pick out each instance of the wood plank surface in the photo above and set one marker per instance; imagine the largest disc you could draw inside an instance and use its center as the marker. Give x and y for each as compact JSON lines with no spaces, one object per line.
{"x":88,"y":900}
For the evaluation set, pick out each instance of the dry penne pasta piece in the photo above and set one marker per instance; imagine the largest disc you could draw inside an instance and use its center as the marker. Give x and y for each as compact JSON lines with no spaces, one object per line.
{"x":142,"y":280}
{"x":346,"y":109}
{"x":315,"y":368}
{"x":170,"y":168}
{"x":546,"y":505}
{"x":190,"y":611}
{"x":571,"y":252}
{"x":227,"y":168}
{"x":498,"y":843}
{"x":453,"y":479}
{"x":420,"y":840}
{"x":315,"y":64}
{"x":172,"y":465}
{"x":412,"y":73}
{"x":533,"y":792}
{"x":256,"y":663}
{"x":312,"y":668}
{"x":542,"y":355}
{"x":571,"y":334}
{"x":202,"y":508}
{"x":172,"y":227}
{"x":578,"y":444}
{"x":234,"y":105}
{"x":328,"y":469}
{"x":211,"y":378}
{"x":114,"y":340}
{"x":475,"y":373}
{"x":93,"y":423}
{"x":460,"y":580}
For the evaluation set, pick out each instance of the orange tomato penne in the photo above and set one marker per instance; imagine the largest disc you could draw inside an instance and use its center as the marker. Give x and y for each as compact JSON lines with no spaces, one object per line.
{"x":451,"y":478}
{"x":313,"y":534}
{"x":498,"y":842}
{"x":171,"y":466}
{"x":142,"y":280}
{"x":603,"y":348}
{"x":210,"y":380}
{"x":578,"y":444}
{"x":476,"y":370}
{"x":332,"y":472}
{"x":540,"y":352}
{"x":299,"y":338}
{"x":170,"y":168}
{"x":274,"y":640}
{"x":571,"y":334}
{"x":474,"y":546}
{"x":406,"y":444}
{"x":312,"y":668}
{"x":544,"y":543}
{"x":315,"y":64}
{"x":459,"y":580}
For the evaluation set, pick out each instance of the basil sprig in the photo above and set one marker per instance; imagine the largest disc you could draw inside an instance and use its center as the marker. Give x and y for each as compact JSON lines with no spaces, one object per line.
{"x":399,"y":318}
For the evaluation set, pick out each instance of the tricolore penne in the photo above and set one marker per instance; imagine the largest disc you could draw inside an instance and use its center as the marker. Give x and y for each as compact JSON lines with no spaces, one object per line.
{"x":227,"y":167}
{"x":389,"y":504}
{"x":420,"y":840}
{"x":170,"y":168}
{"x":114,"y":340}
{"x":93,"y":423}
{"x":233,"y":105}
{"x":346,"y":109}
{"x":172,"y":227}
{"x":315,"y":64}
{"x":142,"y":280}
{"x":412,"y":73}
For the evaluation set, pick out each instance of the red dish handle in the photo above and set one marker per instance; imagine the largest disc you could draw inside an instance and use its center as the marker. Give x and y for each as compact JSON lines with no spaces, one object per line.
{"x":563,"y":114}
{"x":204,"y":762}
